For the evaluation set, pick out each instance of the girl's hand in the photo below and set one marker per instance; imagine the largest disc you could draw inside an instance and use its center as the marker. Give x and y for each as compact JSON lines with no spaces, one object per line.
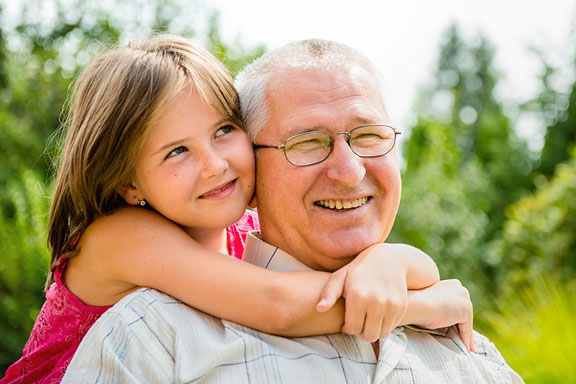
{"x":447,"y":303}
{"x":374,"y":286}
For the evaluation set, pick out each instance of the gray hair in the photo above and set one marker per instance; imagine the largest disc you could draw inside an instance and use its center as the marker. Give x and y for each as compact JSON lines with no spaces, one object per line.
{"x":251,"y":82}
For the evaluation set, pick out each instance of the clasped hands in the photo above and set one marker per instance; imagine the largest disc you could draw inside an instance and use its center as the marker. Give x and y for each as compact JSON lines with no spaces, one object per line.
{"x":387,"y":285}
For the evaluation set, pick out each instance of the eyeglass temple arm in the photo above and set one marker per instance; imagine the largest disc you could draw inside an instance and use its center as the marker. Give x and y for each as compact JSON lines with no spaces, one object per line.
{"x":258,"y":146}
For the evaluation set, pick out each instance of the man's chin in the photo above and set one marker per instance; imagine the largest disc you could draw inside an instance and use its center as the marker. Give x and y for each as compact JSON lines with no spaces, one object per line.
{"x":335,"y":257}
{"x":348,"y":244}
{"x":331,"y":264}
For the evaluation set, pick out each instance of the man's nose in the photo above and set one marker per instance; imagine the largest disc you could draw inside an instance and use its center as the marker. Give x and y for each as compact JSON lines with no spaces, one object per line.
{"x":343,"y":165}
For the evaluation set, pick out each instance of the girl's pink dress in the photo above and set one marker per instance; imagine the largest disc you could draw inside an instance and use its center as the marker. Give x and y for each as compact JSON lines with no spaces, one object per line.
{"x":64,"y":320}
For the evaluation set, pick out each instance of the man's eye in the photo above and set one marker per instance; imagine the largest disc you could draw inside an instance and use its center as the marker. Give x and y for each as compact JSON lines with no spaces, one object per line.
{"x":306,"y":145}
{"x":368,"y":139}
{"x":224,"y":130}
{"x":177,"y":151}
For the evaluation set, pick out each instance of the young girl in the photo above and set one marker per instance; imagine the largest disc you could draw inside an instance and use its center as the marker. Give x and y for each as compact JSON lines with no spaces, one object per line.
{"x":152,"y":188}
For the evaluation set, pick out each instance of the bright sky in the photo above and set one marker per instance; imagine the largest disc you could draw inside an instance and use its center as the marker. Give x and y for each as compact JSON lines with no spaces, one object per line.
{"x":402,"y":37}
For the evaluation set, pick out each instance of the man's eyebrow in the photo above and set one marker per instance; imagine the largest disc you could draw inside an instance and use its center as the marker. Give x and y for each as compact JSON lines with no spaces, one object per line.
{"x":356,"y":122}
{"x":296,"y":131}
{"x":187,"y":138}
{"x":362,"y":120}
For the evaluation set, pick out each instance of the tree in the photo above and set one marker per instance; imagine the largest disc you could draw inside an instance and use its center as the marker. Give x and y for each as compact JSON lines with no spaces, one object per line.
{"x":438,"y":212}
{"x":463,"y":98}
{"x":539,"y":234}
{"x":561,"y":133}
{"x":232,"y":55}
{"x":456,"y":185}
{"x":3,"y":75}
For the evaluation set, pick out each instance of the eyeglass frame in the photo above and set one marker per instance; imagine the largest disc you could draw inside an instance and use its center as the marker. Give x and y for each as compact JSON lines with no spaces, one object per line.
{"x":330,"y":143}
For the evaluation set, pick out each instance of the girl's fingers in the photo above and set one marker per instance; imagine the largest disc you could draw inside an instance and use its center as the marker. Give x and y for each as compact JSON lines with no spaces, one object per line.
{"x":332,"y":291}
{"x":465,"y":331}
{"x":354,"y":318}
{"x":473,"y":346}
{"x":386,"y":328}
{"x":373,"y":326}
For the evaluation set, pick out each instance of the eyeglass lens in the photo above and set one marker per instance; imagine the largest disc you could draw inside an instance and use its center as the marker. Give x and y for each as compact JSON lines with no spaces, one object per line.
{"x":313,"y":147}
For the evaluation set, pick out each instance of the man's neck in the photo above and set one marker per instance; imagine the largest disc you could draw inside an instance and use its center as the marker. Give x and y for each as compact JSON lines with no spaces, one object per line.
{"x":303,"y":252}
{"x":265,"y":255}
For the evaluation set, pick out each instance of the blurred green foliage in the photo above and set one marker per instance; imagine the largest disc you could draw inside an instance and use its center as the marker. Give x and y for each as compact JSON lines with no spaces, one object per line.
{"x":464,"y":165}
{"x":539,"y":236}
{"x":534,"y":330}
{"x":490,"y":210}
{"x":24,"y":261}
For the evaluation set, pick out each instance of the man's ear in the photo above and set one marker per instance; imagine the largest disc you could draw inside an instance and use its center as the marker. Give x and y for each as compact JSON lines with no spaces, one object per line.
{"x":130,"y":194}
{"x":252,"y":203}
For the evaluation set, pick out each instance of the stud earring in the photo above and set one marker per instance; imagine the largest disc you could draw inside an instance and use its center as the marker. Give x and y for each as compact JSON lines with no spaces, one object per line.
{"x":140,"y":202}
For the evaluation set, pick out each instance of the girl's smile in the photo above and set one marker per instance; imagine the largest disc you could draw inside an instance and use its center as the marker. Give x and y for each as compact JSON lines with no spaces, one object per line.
{"x":220,"y":192}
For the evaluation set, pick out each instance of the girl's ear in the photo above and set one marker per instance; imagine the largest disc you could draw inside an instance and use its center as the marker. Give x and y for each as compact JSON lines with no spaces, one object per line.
{"x":252,"y":203}
{"x":130,"y":194}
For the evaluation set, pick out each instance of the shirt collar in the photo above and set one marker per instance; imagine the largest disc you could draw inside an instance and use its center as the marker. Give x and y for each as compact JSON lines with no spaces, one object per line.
{"x":265,"y":255}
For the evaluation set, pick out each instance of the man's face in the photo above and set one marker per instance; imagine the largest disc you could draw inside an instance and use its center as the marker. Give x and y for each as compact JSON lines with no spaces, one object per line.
{"x":291,"y":200}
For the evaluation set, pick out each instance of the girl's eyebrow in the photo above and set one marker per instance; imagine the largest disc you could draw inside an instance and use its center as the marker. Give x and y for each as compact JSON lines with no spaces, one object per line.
{"x":184,"y":139}
{"x":170,"y":145}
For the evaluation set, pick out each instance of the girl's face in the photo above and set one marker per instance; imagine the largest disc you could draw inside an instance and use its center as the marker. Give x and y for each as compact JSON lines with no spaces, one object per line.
{"x":196,"y":168}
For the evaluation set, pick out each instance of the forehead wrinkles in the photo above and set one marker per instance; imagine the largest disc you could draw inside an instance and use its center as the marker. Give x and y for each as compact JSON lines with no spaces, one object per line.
{"x":308,"y":87}
{"x":335,"y":106}
{"x":347,"y":93}
{"x":294,"y":82}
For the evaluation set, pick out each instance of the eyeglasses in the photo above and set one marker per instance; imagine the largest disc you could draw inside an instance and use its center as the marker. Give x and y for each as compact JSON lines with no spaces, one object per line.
{"x":310,"y":148}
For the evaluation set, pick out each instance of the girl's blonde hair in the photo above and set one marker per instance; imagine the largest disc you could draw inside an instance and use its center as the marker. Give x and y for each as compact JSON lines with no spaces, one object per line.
{"x":114,"y":102}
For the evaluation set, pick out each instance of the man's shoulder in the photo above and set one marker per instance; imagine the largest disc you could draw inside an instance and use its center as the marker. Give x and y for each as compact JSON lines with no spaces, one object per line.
{"x":487,"y":348}
{"x":450,"y":336}
{"x":148,"y":303}
{"x":143,"y":297}
{"x":445,"y":345}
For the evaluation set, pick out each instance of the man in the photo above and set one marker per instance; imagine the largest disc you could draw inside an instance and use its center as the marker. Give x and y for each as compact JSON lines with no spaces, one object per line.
{"x":328,"y":186}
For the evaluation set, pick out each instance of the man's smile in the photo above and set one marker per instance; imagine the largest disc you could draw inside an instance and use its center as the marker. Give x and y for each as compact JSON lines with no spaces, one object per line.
{"x":342,"y":204}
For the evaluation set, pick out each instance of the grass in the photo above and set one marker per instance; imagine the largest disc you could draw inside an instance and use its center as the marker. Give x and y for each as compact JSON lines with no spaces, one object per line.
{"x":535,"y":330}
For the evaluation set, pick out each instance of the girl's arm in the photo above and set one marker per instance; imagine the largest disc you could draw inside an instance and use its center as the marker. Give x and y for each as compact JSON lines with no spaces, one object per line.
{"x":135,"y":247}
{"x":444,"y":304}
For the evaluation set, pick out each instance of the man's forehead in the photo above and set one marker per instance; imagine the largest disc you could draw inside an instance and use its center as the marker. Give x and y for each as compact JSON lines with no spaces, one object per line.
{"x":290,"y":78}
{"x":321,"y":100}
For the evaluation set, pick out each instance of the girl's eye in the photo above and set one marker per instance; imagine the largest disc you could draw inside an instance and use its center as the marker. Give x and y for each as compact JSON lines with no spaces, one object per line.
{"x":177,"y":151}
{"x":224,"y":130}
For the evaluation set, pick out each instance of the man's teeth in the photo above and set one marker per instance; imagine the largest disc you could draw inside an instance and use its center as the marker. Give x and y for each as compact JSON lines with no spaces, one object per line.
{"x":339,"y":204}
